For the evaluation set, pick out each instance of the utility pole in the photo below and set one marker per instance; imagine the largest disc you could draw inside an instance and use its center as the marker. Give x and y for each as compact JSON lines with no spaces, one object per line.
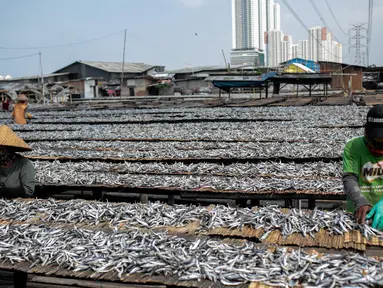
{"x":359,"y":43}
{"x":123,"y":66}
{"x":370,"y":14}
{"x":42,"y":76}
{"x":224,"y":58}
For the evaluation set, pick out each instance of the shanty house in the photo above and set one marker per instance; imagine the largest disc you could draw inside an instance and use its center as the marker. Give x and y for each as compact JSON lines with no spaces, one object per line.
{"x":111,"y":72}
{"x":344,"y":76}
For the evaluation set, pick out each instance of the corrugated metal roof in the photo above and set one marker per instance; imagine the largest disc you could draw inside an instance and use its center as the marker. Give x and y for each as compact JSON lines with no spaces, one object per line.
{"x":17,"y":86}
{"x":197,"y":69}
{"x":116,"y":67}
{"x":35,"y":77}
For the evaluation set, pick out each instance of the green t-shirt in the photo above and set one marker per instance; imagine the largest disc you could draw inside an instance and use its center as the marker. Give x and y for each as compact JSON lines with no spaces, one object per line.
{"x":358,"y":160}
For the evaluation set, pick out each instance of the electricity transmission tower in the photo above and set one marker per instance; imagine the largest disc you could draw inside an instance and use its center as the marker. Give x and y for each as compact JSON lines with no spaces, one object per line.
{"x":359,"y":43}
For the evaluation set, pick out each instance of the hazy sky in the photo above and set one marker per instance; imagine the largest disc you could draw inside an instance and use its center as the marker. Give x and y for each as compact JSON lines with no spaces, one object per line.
{"x":159,"y":31}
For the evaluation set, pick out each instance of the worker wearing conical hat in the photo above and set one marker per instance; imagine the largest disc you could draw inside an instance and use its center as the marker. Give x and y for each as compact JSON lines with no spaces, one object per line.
{"x":20,"y":110}
{"x":17,"y":174}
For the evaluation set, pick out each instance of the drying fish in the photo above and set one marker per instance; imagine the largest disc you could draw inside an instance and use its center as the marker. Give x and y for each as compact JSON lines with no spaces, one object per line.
{"x":181,"y":150}
{"x":154,"y":215}
{"x":192,"y":182}
{"x":201,"y":259}
{"x":312,"y":170}
{"x":234,"y":131}
{"x":316,"y":115}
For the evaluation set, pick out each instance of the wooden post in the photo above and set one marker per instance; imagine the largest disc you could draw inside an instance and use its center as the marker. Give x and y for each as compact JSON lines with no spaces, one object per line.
{"x":255,"y":203}
{"x":144,"y":198}
{"x":312,"y":204}
{"x":297,"y":203}
{"x":241,"y":203}
{"x":20,"y":279}
{"x":288,"y":203}
{"x":98,"y":194}
{"x":171,"y":199}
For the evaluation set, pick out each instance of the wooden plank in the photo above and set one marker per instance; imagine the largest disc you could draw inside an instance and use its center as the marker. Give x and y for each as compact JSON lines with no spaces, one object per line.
{"x":258,"y":102}
{"x":87,"y":284}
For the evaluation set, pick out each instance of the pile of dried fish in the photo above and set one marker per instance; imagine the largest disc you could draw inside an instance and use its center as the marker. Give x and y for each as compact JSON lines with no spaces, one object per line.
{"x":262,"y":177}
{"x":192,"y":182}
{"x":277,"y":131}
{"x":335,"y":115}
{"x":181,"y":150}
{"x":273,"y":169}
{"x":271,"y":218}
{"x":154,"y":215}
{"x":162,"y":254}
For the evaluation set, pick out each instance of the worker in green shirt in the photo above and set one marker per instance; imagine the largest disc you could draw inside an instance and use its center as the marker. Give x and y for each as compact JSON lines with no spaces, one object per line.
{"x":17,"y":174}
{"x":363,"y":171}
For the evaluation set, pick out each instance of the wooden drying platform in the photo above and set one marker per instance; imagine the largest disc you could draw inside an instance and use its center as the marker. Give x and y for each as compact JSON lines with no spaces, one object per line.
{"x":172,"y":195}
{"x":49,"y":276}
{"x":258,"y":102}
{"x":167,"y":140}
{"x":169,"y":121}
{"x":299,"y":101}
{"x":352,"y":240}
{"x":95,"y":279}
{"x":372,"y":100}
{"x":225,"y":161}
{"x":336,"y":101}
{"x":49,"y":189}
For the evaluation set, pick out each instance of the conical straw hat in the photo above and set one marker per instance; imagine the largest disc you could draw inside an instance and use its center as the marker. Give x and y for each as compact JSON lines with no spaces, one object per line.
{"x":9,"y":138}
{"x":22,"y":97}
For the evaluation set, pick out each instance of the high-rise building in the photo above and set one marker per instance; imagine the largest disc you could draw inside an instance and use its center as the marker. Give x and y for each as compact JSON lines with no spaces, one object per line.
{"x":327,"y":46}
{"x":337,"y":52}
{"x":274,"y":39}
{"x":322,"y":47}
{"x":262,"y":22}
{"x":251,"y":19}
{"x":303,"y":49}
{"x":296,"y":53}
{"x":277,"y":16}
{"x":287,"y":48}
{"x":245,"y":24}
{"x":315,"y":41}
{"x":270,"y":19}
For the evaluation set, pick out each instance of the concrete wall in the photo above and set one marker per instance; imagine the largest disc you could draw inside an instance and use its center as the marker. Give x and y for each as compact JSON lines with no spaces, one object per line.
{"x":86,"y":88}
{"x":193,"y":84}
{"x":90,"y":89}
{"x":141,"y":87}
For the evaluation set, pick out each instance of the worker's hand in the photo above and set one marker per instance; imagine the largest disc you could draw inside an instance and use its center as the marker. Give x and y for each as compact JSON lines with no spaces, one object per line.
{"x":377,"y":214}
{"x":361,"y":213}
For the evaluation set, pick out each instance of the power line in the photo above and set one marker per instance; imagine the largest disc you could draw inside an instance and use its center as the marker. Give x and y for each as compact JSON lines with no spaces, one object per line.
{"x":61,"y":45}
{"x":19,"y":57}
{"x":155,"y":48}
{"x":307,"y":29}
{"x":336,"y":20}
{"x":322,"y":18}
